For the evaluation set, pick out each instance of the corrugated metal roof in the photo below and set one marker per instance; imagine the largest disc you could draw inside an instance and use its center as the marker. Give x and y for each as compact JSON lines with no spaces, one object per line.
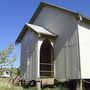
{"x":35,"y":28}
{"x":40,"y":30}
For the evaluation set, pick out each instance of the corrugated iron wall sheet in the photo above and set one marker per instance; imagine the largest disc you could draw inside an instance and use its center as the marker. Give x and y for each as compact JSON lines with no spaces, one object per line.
{"x":66,"y":53}
{"x":67,"y":61}
{"x":28,"y":56}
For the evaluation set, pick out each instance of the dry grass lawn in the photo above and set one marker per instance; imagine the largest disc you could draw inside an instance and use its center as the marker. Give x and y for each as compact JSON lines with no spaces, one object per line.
{"x":5,"y":85}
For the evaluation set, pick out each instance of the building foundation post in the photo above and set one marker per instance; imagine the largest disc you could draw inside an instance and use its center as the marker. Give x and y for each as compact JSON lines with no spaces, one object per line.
{"x":79,"y":85}
{"x":81,"y":88}
{"x":39,"y":85}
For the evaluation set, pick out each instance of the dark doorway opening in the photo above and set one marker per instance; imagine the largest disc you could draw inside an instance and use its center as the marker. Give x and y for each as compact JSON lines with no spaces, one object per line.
{"x":46,"y":59}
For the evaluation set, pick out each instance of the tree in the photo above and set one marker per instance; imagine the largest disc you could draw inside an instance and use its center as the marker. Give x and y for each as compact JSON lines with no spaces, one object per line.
{"x":7,"y":57}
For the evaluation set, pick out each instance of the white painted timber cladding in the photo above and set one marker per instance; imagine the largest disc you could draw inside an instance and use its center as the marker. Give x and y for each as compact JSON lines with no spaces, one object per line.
{"x":84,"y":44}
{"x":38,"y":63}
{"x":38,"y":55}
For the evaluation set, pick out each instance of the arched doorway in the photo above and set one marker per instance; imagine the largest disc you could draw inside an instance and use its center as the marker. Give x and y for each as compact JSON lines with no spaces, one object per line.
{"x":46,"y":59}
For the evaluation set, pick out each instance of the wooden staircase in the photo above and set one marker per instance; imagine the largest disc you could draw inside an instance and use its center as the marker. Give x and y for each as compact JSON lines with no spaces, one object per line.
{"x":16,"y":81}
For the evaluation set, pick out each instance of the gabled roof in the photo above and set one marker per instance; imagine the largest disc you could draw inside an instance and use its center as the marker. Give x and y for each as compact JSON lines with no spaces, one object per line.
{"x":42,"y":30}
{"x":42,"y":4}
{"x":35,"y":28}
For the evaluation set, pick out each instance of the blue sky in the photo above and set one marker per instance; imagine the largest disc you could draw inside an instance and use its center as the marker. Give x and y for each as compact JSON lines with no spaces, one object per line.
{"x":15,"y":13}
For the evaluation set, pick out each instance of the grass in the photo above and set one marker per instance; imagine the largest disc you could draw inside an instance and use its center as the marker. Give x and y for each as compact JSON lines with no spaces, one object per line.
{"x":20,"y":88}
{"x":4,"y":85}
{"x":9,"y":87}
{"x":34,"y":88}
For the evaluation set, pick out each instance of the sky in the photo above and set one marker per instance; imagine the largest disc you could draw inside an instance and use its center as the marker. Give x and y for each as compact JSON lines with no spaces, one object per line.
{"x":15,"y":13}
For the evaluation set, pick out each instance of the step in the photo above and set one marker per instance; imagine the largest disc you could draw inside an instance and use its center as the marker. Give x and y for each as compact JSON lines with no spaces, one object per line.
{"x":47,"y":81}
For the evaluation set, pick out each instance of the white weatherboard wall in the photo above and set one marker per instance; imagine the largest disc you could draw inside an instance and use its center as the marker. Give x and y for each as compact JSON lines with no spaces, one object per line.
{"x":84,"y":44}
{"x":38,"y":63}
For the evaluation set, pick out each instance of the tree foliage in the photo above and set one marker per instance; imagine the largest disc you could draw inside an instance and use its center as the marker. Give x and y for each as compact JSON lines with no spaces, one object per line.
{"x":7,"y":57}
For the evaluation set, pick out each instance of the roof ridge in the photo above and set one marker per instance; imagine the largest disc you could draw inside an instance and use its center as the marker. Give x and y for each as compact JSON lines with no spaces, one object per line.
{"x":61,"y":7}
{"x":43,"y":3}
{"x":46,"y":3}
